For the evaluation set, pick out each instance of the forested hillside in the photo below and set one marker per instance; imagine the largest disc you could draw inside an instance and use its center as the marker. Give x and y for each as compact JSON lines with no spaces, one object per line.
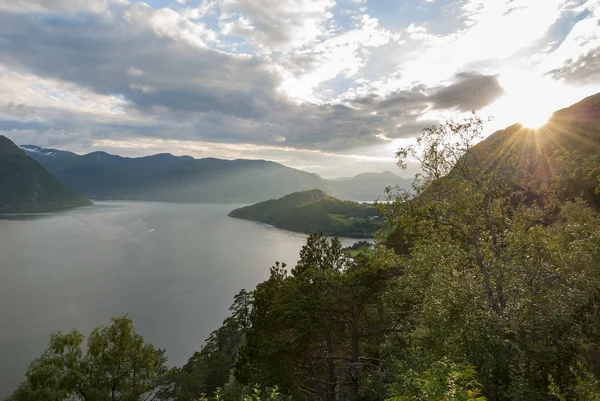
{"x":314,"y":211}
{"x":26,"y":187}
{"x":555,"y":163}
{"x":165,"y":177}
{"x":489,"y":291}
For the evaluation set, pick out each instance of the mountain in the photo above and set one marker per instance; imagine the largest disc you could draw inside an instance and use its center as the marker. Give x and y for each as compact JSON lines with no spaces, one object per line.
{"x":26,"y":187}
{"x":573,"y":131}
{"x":315,"y":211}
{"x":366,"y":186}
{"x":164,"y":177}
{"x":518,"y":154}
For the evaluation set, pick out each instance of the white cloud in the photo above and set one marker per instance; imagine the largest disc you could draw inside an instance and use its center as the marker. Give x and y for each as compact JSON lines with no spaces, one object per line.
{"x":53,"y":6}
{"x":167,"y":22}
{"x":280,"y":24}
{"x":583,"y":38}
{"x":342,"y":54}
{"x":32,"y":94}
{"x":241,"y":26}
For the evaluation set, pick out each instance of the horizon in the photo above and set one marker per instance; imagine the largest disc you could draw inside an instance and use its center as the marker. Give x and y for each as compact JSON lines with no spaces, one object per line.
{"x":332,"y":87}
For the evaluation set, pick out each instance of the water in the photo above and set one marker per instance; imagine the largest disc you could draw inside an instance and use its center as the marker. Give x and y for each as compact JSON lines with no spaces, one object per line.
{"x":174,"y":268}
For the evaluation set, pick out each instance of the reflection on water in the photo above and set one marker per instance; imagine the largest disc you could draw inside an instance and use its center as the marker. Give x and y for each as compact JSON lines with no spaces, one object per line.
{"x":24,"y":216}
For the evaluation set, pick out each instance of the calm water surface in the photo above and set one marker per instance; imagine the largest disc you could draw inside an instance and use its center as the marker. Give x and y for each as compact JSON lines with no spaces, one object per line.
{"x":174,"y":268}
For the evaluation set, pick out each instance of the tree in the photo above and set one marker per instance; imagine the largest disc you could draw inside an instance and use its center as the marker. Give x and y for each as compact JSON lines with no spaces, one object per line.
{"x":497,"y":261}
{"x":315,"y":332}
{"x":113,"y":364}
{"x":210,"y":368}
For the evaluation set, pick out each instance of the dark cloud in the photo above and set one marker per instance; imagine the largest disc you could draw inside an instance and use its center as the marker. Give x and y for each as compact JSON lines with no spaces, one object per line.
{"x":411,"y":129}
{"x":117,"y":57}
{"x":580,"y":71}
{"x":400,"y":100}
{"x":471,"y":91}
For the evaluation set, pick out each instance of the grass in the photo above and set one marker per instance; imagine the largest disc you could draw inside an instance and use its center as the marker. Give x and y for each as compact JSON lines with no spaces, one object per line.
{"x":355,"y":252}
{"x":341,"y":218}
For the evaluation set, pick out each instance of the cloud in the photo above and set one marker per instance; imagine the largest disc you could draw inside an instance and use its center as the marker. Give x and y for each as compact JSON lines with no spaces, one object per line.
{"x":583,"y":70}
{"x":53,"y":6}
{"x":126,"y":52}
{"x":468,"y":91}
{"x":51,"y":138}
{"x":471,"y":91}
{"x":576,"y":59}
{"x":340,"y":55}
{"x":276,"y":24}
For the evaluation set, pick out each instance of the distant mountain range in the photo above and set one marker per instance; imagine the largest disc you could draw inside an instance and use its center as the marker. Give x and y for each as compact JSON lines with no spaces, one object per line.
{"x":26,"y":187}
{"x":165,"y":177}
{"x":366,"y":186}
{"x":315,"y":211}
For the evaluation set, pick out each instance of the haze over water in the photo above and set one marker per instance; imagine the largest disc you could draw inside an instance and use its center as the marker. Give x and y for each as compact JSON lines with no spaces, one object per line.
{"x":174,"y":268}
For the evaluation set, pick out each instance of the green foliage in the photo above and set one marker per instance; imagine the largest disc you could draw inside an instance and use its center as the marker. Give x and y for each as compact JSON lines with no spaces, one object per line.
{"x":585,"y":388}
{"x":314,"y":332}
{"x":497,"y":266}
{"x":443,"y":381}
{"x":498,"y":263}
{"x":314,"y":211}
{"x":113,"y":364}
{"x":358,"y":248}
{"x":255,"y":393}
{"x":259,"y":395}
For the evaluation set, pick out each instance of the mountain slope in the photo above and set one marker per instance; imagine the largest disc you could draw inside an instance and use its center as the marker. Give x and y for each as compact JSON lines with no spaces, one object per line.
{"x":366,"y":186}
{"x":314,"y":211}
{"x":165,"y":177}
{"x":25,"y":186}
{"x":517,"y":155}
{"x":575,"y":128}
{"x":516,"y":152}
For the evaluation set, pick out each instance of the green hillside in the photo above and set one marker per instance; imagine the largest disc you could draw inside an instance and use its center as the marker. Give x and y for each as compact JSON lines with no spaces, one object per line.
{"x":26,"y":187}
{"x":517,"y":152}
{"x":315,"y":211}
{"x":548,"y":166}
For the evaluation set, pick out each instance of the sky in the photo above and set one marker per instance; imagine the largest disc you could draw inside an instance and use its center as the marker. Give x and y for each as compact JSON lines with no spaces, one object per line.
{"x":332,"y":87}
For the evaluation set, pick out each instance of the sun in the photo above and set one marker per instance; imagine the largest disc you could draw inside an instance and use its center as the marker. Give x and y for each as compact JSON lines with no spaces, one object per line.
{"x":529,"y":99}
{"x":535,"y":119}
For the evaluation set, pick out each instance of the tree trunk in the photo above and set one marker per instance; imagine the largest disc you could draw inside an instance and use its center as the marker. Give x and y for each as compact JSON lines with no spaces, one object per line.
{"x":354,"y":386}
{"x":331,"y":385}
